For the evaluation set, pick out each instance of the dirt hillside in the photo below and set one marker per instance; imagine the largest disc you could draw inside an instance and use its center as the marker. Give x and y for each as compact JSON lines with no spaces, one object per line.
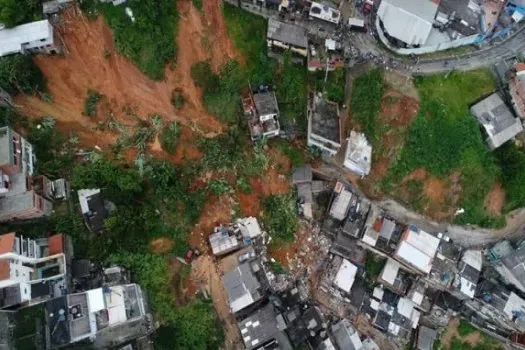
{"x":91,"y":62}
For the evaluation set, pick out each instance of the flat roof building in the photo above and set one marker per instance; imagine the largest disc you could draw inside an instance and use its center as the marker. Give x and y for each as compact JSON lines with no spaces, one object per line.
{"x":324,"y":125}
{"x":417,"y":249}
{"x":325,"y":13}
{"x":469,"y":272}
{"x":242,"y":286}
{"x":344,"y":279}
{"x":285,"y":36}
{"x":408,"y":21}
{"x":27,"y":38}
{"x":93,"y":209}
{"x":497,"y":120}
{"x":260,"y":331}
{"x":512,"y":268}
{"x":345,"y":336}
{"x":358,"y":156}
{"x":262,"y":112}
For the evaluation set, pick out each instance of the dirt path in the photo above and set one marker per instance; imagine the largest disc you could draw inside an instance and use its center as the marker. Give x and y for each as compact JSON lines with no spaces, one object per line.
{"x":495,"y":200}
{"x":206,"y":274}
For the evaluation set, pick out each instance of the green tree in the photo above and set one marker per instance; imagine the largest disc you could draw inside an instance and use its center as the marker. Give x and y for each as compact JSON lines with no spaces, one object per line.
{"x":280,"y":218}
{"x":14,"y":12}
{"x":18,"y":73}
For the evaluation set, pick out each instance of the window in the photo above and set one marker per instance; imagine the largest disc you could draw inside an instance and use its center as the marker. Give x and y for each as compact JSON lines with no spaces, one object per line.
{"x":43,"y":40}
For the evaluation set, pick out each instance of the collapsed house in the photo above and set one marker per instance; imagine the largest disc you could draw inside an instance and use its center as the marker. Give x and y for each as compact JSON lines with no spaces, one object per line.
{"x":358,"y":156}
{"x":228,"y":238}
{"x":497,"y":120}
{"x":262,"y":113}
{"x":93,"y":208}
{"x":325,"y":56}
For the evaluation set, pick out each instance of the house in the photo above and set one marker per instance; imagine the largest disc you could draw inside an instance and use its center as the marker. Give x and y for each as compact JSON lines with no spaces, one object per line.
{"x":262,"y":112}
{"x":303,"y":181}
{"x":326,"y":55}
{"x":19,"y":198}
{"x":231,"y":237}
{"x":345,"y":336}
{"x":418,"y":294}
{"x":261,"y":330}
{"x":32,"y":270}
{"x":345,"y":276}
{"x":284,"y":36}
{"x":417,"y":249}
{"x":324,"y":12}
{"x":93,"y":209}
{"x":469,"y":272}
{"x":445,"y":265}
{"x":497,"y":120}
{"x":324,"y":125}
{"x":101,"y":318}
{"x":426,"y":338}
{"x":512,"y":268}
{"x":408,"y":21}
{"x":304,"y":323}
{"x":498,"y":306}
{"x":34,"y":37}
{"x":394,"y":277}
{"x":460,"y":18}
{"x":243,"y":286}
{"x":358,"y":155}
{"x":381,"y":233}
{"x":517,"y":89}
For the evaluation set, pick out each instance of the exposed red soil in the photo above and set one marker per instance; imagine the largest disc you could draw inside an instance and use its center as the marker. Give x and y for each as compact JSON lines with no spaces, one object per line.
{"x":419,"y":174}
{"x":302,"y":248}
{"x":397,"y":109}
{"x":124,"y":87}
{"x":495,"y":200}
{"x":162,"y":245}
{"x":435,"y":189}
{"x":186,"y":149}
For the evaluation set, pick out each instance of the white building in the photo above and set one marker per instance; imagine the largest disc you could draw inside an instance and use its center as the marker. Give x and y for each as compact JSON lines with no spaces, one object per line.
{"x":358,"y":156}
{"x":417,"y":249}
{"x":28,"y":38}
{"x":324,"y":13}
{"x":407,"y":20}
{"x":469,"y":272}
{"x":31,"y":270}
{"x":345,"y":277}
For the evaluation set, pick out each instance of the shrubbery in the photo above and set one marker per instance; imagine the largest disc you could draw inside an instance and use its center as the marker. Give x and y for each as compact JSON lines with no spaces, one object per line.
{"x":15,"y":12}
{"x":169,"y":137}
{"x":280,"y":217}
{"x":91,"y":102}
{"x":19,"y":74}
{"x":366,"y":100}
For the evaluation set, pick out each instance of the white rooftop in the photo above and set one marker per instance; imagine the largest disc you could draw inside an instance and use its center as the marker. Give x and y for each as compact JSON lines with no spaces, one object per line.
{"x":11,"y":39}
{"x":345,"y":276}
{"x":468,"y":288}
{"x":358,"y":156}
{"x":249,"y":227}
{"x":418,"y":248}
{"x":408,"y":20}
{"x":83,"y":195}
{"x":514,"y":304}
{"x":340,"y":205}
{"x":390,"y":271}
{"x":473,"y":258}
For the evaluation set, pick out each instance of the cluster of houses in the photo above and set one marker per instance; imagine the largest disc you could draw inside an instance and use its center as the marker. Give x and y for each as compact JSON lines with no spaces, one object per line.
{"x":423,"y":280}
{"x":50,"y":300}
{"x":269,"y":314}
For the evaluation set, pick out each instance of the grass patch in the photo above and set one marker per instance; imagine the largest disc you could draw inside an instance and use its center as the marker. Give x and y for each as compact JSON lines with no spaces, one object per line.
{"x":444,"y":124}
{"x":149,"y":41}
{"x":294,"y":153}
{"x":465,"y":328}
{"x":366,"y":100}
{"x":512,"y":162}
{"x":91,"y":102}
{"x":280,"y":218}
{"x":373,"y":265}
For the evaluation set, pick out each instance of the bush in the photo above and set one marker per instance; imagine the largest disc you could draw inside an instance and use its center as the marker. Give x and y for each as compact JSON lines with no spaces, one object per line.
{"x":15,"y":12}
{"x":91,"y":102}
{"x":373,"y":266}
{"x":280,"y":217}
{"x":198,"y":4}
{"x":218,"y":187}
{"x":203,"y":76}
{"x":18,"y":74}
{"x":512,"y":163}
{"x":149,"y":40}
{"x":177,"y":99}
{"x":366,"y":100}
{"x":169,"y":137}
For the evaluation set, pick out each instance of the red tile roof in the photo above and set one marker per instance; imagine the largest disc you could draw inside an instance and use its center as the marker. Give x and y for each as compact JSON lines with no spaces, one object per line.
{"x":7,"y":243}
{"x":4,"y":270}
{"x":56,"y":244}
{"x":519,"y":67}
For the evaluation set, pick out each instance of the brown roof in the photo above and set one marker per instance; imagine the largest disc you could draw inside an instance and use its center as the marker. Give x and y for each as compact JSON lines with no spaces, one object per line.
{"x":56,"y":244}
{"x":7,"y":243}
{"x":4,"y":270}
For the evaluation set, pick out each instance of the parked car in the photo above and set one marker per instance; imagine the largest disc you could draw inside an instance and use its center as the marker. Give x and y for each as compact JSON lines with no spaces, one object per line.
{"x":246,"y":256}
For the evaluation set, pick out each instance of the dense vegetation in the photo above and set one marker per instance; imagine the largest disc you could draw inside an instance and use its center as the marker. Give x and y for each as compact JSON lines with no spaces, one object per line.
{"x":334,"y":88}
{"x":512,"y":162}
{"x":18,"y":74}
{"x":366,"y":101}
{"x":280,"y":218}
{"x":148,"y":40}
{"x":15,"y":12}
{"x":169,"y":137}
